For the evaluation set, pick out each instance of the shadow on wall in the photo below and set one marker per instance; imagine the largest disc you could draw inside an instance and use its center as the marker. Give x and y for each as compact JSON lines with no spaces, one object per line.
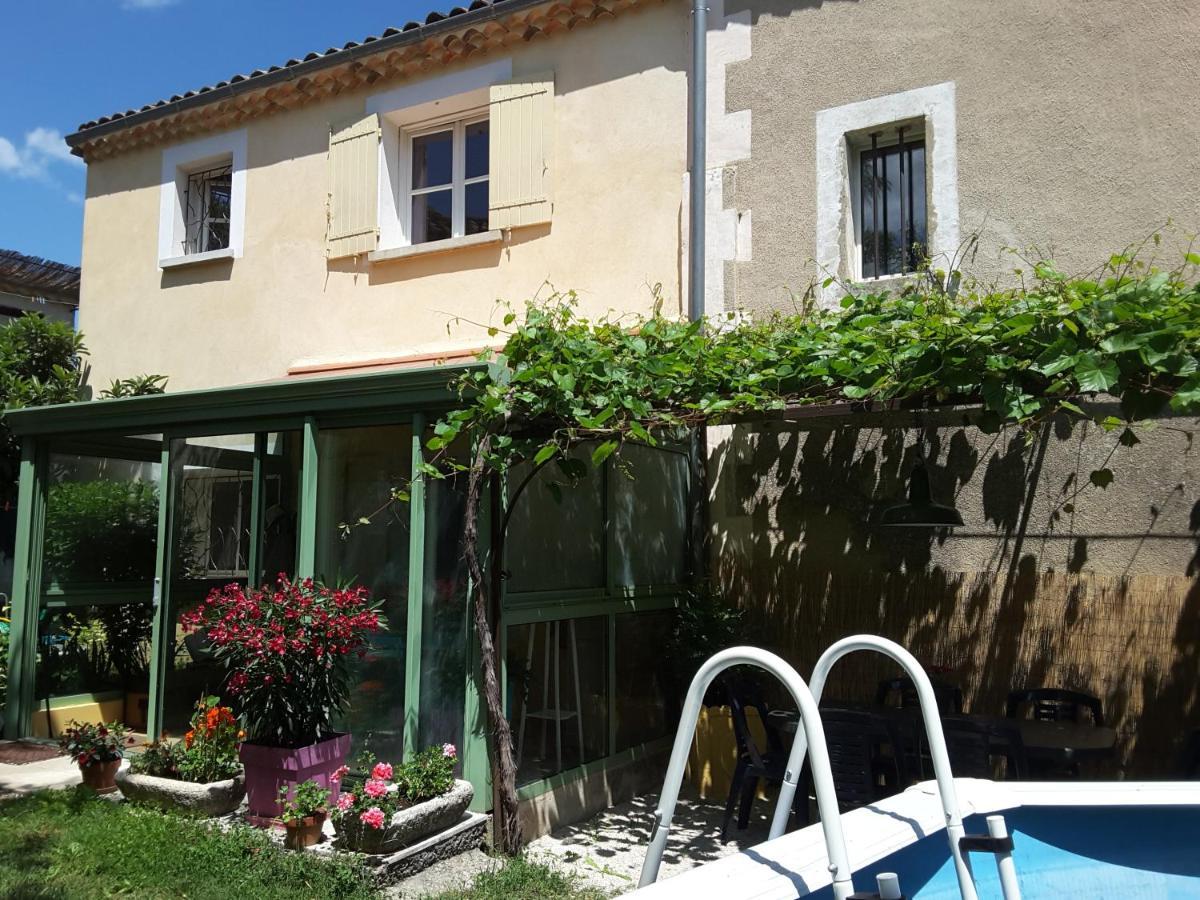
{"x":1053,"y":581}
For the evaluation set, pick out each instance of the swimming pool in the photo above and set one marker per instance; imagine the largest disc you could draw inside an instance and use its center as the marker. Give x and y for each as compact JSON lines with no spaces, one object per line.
{"x":1071,"y":840}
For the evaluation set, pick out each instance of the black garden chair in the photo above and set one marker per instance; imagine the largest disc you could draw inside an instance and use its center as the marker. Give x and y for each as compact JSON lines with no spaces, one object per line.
{"x":1054,"y":705}
{"x":976,"y":745}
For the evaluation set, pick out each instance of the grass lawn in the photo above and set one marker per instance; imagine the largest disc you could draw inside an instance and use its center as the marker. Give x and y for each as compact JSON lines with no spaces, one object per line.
{"x":71,"y":845}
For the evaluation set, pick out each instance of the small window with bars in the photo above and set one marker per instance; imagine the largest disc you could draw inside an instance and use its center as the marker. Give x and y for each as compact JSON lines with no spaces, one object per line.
{"x":206,"y":209}
{"x":891,"y":204}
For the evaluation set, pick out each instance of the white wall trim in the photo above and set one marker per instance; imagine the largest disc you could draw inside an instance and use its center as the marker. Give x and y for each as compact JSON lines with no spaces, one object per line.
{"x":727,"y":231}
{"x":409,"y":104}
{"x":936,"y":105}
{"x":177,"y":161}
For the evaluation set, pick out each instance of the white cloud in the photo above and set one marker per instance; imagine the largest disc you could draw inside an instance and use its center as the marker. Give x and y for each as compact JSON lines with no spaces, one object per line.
{"x":42,"y":148}
{"x":147,"y":4}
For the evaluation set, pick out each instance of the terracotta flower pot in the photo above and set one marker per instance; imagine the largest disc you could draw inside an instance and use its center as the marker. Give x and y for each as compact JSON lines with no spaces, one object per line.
{"x":305,"y":833}
{"x":270,"y":768}
{"x":101,"y":777}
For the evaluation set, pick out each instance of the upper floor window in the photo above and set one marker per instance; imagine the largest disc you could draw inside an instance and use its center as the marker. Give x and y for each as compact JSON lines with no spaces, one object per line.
{"x":448,"y":193}
{"x":202,"y":203}
{"x":207,"y":209}
{"x":891,"y":203}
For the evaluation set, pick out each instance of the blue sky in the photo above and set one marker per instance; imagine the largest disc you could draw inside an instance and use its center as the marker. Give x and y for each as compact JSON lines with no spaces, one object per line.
{"x":70,"y":61}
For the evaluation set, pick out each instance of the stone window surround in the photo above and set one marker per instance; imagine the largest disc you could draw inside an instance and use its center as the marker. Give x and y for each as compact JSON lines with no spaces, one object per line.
{"x":177,"y":163}
{"x":837,"y":128}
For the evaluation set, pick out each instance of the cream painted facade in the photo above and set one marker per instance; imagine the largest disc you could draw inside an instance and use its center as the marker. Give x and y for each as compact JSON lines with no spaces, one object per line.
{"x":1075,"y":123}
{"x":618,"y":165}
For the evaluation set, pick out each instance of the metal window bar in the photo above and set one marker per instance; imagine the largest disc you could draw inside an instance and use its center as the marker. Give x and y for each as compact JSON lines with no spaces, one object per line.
{"x":884,"y":258}
{"x":206,"y":210}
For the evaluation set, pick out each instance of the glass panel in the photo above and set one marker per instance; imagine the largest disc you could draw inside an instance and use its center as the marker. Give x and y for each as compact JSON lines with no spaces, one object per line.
{"x":567,"y":531}
{"x":281,"y":505}
{"x":445,"y":631}
{"x":645,"y":708}
{"x":101,"y":519}
{"x":432,"y":159}
{"x":558,"y":694}
{"x":94,"y":620}
{"x":477,"y":207}
{"x":869,"y":212}
{"x":477,"y":149}
{"x":650,"y":516}
{"x":431,"y":216}
{"x":916,"y":224}
{"x":359,"y":469}
{"x":212,"y":483}
{"x":93,"y":665}
{"x":892,"y":242}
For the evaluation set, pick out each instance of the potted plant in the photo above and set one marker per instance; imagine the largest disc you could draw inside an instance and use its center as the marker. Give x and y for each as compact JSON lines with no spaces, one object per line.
{"x":303,"y":813}
{"x":288,"y":652}
{"x":97,"y":749}
{"x":397,"y":806}
{"x":706,"y":624}
{"x":201,"y":773}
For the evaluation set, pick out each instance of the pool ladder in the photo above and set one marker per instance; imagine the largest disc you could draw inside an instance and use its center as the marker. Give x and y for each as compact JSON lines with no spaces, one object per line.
{"x":811,"y":739}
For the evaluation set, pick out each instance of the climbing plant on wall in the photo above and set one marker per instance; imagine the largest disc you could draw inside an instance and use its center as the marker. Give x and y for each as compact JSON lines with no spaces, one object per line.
{"x":1023,"y":353}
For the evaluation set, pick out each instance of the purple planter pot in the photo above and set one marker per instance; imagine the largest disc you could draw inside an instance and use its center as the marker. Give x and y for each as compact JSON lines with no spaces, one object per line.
{"x":269,"y":768}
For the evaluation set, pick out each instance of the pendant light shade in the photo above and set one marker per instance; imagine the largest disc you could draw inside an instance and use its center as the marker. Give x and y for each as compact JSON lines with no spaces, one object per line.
{"x":920,"y":511}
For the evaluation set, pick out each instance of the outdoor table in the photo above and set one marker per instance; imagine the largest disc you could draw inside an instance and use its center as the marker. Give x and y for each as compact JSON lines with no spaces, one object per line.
{"x":1062,"y":742}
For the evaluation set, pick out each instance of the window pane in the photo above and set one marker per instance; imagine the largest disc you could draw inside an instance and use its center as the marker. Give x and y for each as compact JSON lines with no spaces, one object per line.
{"x":358,"y":469}
{"x":431,"y":216}
{"x":477,"y":149}
{"x":650,"y":516}
{"x":432,"y":159}
{"x":281,"y":504}
{"x":869,"y":212}
{"x":892,"y":241}
{"x":916,"y":226}
{"x":645,"y":709}
{"x":445,"y":631}
{"x":477,"y":207}
{"x":568,"y":531}
{"x":558,"y":695}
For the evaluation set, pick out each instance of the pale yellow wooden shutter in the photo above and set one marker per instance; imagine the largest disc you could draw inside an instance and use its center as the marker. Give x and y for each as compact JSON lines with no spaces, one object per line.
{"x":353,"y":214}
{"x":521,"y":140}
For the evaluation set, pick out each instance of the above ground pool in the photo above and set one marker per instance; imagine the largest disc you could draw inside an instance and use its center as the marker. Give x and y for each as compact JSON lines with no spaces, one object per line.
{"x":1070,"y":840}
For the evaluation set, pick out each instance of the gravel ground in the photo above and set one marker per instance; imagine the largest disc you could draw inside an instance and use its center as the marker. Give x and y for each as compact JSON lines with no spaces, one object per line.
{"x":456,"y":872}
{"x":607,"y":850}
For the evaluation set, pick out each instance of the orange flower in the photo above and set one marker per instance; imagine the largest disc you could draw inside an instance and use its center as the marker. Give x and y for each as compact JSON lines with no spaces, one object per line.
{"x":188,"y":738}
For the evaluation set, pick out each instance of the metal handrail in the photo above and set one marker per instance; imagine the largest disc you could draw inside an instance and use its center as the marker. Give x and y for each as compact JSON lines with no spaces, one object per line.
{"x":933,"y":734}
{"x":822,"y":776}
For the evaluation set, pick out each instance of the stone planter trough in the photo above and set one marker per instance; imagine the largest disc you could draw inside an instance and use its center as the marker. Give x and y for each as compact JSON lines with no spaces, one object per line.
{"x":214,"y":799}
{"x":408,"y":826}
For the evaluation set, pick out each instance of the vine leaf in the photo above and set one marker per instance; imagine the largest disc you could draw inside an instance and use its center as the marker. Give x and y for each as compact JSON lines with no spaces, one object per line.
{"x":1101,"y":478}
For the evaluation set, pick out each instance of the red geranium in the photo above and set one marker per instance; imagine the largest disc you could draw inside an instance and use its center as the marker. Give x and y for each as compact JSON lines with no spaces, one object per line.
{"x":288,"y":650}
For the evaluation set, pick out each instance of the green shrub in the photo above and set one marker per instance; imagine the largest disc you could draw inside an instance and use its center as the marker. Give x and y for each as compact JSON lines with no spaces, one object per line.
{"x":429,"y":774}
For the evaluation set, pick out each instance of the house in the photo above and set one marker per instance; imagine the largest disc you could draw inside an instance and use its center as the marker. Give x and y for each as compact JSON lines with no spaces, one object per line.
{"x":305,"y":234}
{"x":31,"y":284}
{"x":1041,"y":126}
{"x":311,"y":252}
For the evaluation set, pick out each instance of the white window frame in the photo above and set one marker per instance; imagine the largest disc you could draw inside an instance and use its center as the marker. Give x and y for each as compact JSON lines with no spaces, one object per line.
{"x":412,"y":106}
{"x":458,"y":181}
{"x":839,"y":237}
{"x":178,"y":163}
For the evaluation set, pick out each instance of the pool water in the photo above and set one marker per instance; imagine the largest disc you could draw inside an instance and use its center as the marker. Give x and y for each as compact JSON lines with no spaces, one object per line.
{"x":1062,"y":852}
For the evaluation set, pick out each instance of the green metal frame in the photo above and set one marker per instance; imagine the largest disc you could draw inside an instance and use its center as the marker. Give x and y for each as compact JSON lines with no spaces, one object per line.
{"x":100,"y":428}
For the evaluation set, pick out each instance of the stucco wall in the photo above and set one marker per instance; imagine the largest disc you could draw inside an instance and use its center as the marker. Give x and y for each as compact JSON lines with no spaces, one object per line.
{"x":1076,"y":123}
{"x":1051,"y":582}
{"x":619,"y":159}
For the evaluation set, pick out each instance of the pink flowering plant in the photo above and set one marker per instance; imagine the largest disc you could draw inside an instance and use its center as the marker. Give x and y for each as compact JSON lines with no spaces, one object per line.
{"x":288,"y":650}
{"x":90,"y":743}
{"x":369,"y":802}
{"x":379,"y":790}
